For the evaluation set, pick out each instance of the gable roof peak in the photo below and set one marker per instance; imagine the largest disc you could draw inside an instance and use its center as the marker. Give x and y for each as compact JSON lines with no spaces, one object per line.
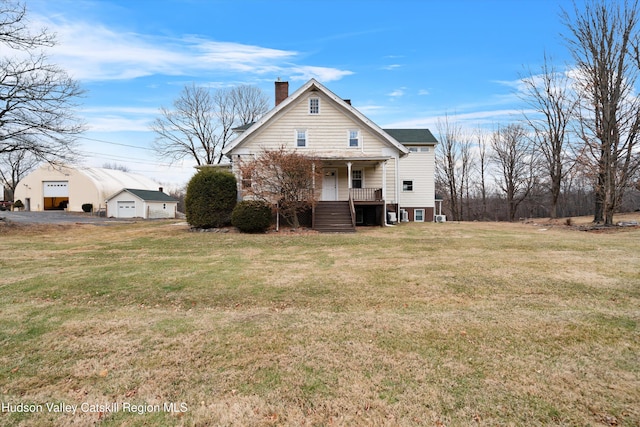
{"x":312,"y":84}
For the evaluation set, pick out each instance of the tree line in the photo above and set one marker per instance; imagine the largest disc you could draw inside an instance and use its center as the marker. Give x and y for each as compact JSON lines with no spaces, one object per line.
{"x":576,"y":150}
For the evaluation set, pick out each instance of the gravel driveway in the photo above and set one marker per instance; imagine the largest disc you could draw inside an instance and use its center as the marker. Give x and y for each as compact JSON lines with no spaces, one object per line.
{"x":58,"y":217}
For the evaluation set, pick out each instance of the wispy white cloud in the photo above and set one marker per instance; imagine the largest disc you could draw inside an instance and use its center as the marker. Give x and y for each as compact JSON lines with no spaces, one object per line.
{"x":475,"y":119}
{"x":117,"y":123}
{"x":398,"y":92}
{"x":323,"y":74}
{"x":423,"y":92}
{"x":392,"y":67}
{"x":90,"y":51}
{"x":370,"y":109}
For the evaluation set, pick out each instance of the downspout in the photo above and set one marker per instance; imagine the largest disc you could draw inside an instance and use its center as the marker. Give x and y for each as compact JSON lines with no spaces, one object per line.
{"x":396,"y":190}
{"x":314,"y":201}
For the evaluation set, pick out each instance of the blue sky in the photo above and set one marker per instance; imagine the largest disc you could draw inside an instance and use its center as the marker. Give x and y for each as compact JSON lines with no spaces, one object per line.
{"x":403,"y":63}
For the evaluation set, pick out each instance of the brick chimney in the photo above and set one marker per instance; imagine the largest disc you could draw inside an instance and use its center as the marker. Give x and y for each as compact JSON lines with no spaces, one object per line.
{"x":282,"y":91}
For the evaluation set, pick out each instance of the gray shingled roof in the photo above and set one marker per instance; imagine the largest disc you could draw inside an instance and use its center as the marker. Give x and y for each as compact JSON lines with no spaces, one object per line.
{"x":151,"y":196}
{"x":412,"y":136}
{"x":243,"y":127}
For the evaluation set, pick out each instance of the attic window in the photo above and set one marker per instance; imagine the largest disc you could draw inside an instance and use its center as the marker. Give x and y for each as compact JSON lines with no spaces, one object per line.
{"x":314,"y":105}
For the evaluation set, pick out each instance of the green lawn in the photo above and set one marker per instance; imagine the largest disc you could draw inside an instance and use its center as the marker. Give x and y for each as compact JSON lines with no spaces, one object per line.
{"x":421,"y":324}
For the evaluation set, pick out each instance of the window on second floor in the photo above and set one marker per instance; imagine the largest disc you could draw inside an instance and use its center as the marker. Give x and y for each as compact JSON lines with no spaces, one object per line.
{"x":301,"y":138}
{"x":419,"y":149}
{"x":407,"y":185}
{"x":314,"y":105}
{"x":354,"y":138}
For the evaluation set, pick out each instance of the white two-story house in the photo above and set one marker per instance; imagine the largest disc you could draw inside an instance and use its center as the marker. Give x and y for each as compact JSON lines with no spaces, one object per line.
{"x":379,"y":176}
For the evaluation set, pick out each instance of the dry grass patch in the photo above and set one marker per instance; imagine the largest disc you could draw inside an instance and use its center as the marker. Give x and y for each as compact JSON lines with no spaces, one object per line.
{"x":485,"y":324}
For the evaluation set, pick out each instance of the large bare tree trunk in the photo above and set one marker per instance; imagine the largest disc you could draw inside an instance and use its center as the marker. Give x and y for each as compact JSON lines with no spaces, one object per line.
{"x":604,"y":41}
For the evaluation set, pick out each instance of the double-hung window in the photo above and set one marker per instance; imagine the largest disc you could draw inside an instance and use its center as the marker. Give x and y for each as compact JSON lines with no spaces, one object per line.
{"x":301,"y":138}
{"x":354,"y":138}
{"x":356,"y":178}
{"x":314,"y":105}
{"x":418,"y":215}
{"x":419,"y":149}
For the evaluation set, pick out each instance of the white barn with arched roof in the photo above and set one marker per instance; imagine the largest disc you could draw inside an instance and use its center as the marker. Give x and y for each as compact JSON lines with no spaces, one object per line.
{"x":54,"y":187}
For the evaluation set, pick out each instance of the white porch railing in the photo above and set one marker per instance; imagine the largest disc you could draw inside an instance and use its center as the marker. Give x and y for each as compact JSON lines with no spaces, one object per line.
{"x":365,"y":194}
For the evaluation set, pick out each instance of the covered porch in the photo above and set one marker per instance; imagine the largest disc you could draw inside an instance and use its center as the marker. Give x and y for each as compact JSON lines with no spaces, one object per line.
{"x":357,"y":183}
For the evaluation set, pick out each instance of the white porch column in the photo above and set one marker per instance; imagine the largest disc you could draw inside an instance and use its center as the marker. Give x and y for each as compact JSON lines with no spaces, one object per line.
{"x":384,"y":181}
{"x":313,"y":177}
{"x":349,"y":176}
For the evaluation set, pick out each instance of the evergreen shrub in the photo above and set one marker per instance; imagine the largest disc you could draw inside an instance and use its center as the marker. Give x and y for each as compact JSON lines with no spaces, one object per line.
{"x":251,"y":216}
{"x":211,"y":196}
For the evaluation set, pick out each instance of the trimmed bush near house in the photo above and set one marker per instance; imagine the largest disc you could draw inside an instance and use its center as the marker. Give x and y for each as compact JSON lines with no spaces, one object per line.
{"x":210,"y":199}
{"x":251,"y":216}
{"x":87,"y":207}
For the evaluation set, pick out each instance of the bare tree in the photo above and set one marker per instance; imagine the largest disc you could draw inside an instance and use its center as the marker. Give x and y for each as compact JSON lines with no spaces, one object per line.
{"x":513,"y":154}
{"x":605,"y":42}
{"x":116,"y":167}
{"x":189,"y":129}
{"x":14,"y":31}
{"x":453,"y":165}
{"x":554,"y":105}
{"x":249,"y":103}
{"x":482,"y":166}
{"x":284,"y":178}
{"x":237,"y":106}
{"x":201,"y":122}
{"x":38,"y":98}
{"x":14,"y":166}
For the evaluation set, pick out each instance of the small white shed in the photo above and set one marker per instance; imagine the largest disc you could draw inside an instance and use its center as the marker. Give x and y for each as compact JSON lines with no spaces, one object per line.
{"x":148,"y":204}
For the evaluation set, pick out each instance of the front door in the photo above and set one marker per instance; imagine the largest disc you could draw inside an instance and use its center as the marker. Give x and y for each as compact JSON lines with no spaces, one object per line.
{"x":329,"y":185}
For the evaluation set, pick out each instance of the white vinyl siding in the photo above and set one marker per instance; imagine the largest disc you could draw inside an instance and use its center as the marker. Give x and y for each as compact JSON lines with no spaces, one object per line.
{"x":418,"y":167}
{"x":326,"y":132}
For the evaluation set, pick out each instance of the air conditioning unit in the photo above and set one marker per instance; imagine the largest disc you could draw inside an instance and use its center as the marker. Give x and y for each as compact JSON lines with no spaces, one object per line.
{"x":404,"y":215}
{"x":392,"y":219}
{"x":441,"y":218}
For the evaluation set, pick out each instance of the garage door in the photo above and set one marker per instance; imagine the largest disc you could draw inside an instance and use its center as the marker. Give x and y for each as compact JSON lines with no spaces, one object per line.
{"x":56,"y":188}
{"x":126,"y":209}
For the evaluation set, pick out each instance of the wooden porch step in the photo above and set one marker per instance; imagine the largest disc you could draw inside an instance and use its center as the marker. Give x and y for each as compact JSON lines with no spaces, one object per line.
{"x":333,"y":217}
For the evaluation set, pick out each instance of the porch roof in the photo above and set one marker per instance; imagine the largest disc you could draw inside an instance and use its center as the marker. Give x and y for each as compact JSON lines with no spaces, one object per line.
{"x":342,"y":160}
